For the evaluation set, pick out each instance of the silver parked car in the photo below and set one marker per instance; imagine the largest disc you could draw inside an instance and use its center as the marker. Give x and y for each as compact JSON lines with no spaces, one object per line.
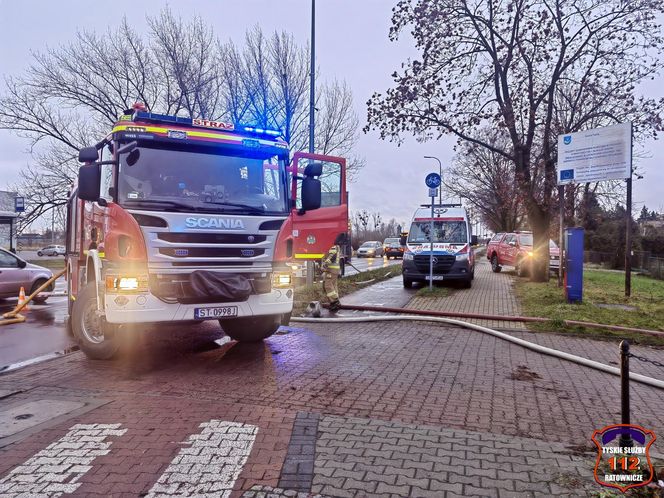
{"x":52,"y":250}
{"x":16,"y":273}
{"x":370,"y":249}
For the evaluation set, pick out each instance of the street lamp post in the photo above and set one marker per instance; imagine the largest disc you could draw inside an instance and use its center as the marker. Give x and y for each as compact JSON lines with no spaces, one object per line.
{"x":312,"y":109}
{"x":440,"y":168}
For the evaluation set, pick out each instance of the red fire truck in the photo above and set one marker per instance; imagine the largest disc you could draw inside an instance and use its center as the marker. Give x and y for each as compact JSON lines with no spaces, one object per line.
{"x":177,"y":220}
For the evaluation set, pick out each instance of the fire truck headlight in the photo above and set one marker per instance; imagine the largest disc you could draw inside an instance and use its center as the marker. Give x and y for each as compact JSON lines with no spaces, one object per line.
{"x":126,"y":283}
{"x":281,"y":280}
{"x":530,"y":254}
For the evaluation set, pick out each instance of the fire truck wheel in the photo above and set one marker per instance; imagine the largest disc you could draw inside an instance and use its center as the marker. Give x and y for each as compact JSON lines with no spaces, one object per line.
{"x":96,"y":338}
{"x":251,"y":329}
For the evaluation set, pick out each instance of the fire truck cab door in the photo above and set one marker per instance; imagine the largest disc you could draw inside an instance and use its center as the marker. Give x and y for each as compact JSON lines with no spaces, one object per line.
{"x":314,"y":231}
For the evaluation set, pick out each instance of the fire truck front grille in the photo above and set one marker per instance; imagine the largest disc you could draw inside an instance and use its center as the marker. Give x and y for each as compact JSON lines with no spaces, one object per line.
{"x":211,"y":238}
{"x":211,"y":252}
{"x":177,"y":288}
{"x":441,"y":264}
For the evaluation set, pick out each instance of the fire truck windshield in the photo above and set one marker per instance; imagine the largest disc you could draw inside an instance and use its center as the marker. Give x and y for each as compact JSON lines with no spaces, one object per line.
{"x":202,"y":179}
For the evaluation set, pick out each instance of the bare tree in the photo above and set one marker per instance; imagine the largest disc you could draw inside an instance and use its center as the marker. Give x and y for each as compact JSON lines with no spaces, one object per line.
{"x":505,"y":64}
{"x":487,"y":181}
{"x":71,"y":95}
{"x":185,"y":59}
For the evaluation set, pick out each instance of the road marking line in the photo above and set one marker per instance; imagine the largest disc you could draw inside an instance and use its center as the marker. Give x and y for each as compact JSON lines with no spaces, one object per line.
{"x":56,"y":469}
{"x":211,"y":465}
{"x":38,"y":359}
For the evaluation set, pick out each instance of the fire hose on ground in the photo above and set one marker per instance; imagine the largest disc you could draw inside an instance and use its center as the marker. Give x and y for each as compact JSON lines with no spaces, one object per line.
{"x":14,"y":316}
{"x":435,"y":316}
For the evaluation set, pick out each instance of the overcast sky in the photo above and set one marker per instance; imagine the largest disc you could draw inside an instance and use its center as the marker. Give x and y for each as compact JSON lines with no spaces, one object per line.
{"x":351,"y":44}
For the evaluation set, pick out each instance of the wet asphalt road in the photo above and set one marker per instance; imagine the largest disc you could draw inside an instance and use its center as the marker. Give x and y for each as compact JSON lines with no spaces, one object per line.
{"x":364,"y":264}
{"x":44,"y":332}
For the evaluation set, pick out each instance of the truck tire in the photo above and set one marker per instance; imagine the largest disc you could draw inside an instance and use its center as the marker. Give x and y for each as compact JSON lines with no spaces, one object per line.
{"x":467,"y":284}
{"x":251,"y":329}
{"x":495,"y":267}
{"x":96,"y":338}
{"x":407,"y":283}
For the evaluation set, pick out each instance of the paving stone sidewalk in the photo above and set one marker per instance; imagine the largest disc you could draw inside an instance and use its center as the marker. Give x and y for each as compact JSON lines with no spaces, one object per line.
{"x":491,"y":294}
{"x":358,"y":457}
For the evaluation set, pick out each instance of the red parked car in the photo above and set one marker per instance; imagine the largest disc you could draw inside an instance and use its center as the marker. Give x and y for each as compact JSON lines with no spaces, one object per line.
{"x":516,"y":249}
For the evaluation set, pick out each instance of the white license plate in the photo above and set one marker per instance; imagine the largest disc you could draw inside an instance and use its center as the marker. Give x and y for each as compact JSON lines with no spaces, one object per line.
{"x":214,"y":313}
{"x":435,"y":277}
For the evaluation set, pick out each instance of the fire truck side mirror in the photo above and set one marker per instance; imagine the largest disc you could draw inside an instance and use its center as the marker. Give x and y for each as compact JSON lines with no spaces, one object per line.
{"x":89,"y":179}
{"x":313,"y":169}
{"x":311,"y":194}
{"x":88,"y":154}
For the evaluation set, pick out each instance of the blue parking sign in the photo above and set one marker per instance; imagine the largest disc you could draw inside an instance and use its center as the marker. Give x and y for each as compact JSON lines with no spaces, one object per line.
{"x":19,"y":204}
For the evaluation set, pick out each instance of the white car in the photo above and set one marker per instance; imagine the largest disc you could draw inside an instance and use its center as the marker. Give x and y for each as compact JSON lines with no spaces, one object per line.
{"x":52,"y":250}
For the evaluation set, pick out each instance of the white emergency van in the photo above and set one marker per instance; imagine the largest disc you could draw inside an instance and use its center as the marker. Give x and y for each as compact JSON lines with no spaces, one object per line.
{"x":453,"y":257}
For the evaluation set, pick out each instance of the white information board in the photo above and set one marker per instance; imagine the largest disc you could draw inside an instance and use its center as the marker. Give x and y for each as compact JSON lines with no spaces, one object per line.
{"x":595,"y":155}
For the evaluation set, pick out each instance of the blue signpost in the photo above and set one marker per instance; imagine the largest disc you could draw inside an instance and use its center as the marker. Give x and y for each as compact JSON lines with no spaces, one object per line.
{"x":433,"y":182}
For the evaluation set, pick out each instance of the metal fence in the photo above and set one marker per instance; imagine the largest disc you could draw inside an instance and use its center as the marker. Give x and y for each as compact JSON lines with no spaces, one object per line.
{"x":642,"y":261}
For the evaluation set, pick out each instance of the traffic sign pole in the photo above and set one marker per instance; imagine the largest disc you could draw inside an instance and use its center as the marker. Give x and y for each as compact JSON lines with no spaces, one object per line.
{"x":433,"y":182}
{"x":432,"y":192}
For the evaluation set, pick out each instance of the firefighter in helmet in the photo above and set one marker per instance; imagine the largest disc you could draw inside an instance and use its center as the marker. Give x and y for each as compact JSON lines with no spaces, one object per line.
{"x":331,"y":270}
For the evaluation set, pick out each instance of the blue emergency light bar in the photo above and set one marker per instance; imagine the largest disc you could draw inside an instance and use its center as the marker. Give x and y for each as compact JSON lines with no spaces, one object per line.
{"x":203,"y":123}
{"x":160,"y":118}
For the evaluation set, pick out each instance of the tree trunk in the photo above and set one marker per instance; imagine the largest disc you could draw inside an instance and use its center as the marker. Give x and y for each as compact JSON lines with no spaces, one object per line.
{"x":539,"y":223}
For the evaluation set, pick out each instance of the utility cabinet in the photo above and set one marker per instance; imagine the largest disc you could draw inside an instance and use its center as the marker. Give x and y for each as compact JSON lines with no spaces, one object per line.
{"x":574,"y":264}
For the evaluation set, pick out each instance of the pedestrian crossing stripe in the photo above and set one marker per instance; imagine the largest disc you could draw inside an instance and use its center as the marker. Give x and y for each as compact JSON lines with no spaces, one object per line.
{"x":209,"y":465}
{"x":56,"y":469}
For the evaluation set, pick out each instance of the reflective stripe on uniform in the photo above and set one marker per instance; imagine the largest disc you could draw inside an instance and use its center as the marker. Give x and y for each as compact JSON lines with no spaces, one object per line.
{"x":309,"y":256}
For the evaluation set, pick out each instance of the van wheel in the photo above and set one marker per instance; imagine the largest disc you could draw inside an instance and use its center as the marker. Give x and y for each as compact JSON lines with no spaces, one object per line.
{"x":96,"y":338}
{"x":251,"y":329}
{"x":407,"y":283}
{"x":495,"y":267}
{"x":467,"y":284}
